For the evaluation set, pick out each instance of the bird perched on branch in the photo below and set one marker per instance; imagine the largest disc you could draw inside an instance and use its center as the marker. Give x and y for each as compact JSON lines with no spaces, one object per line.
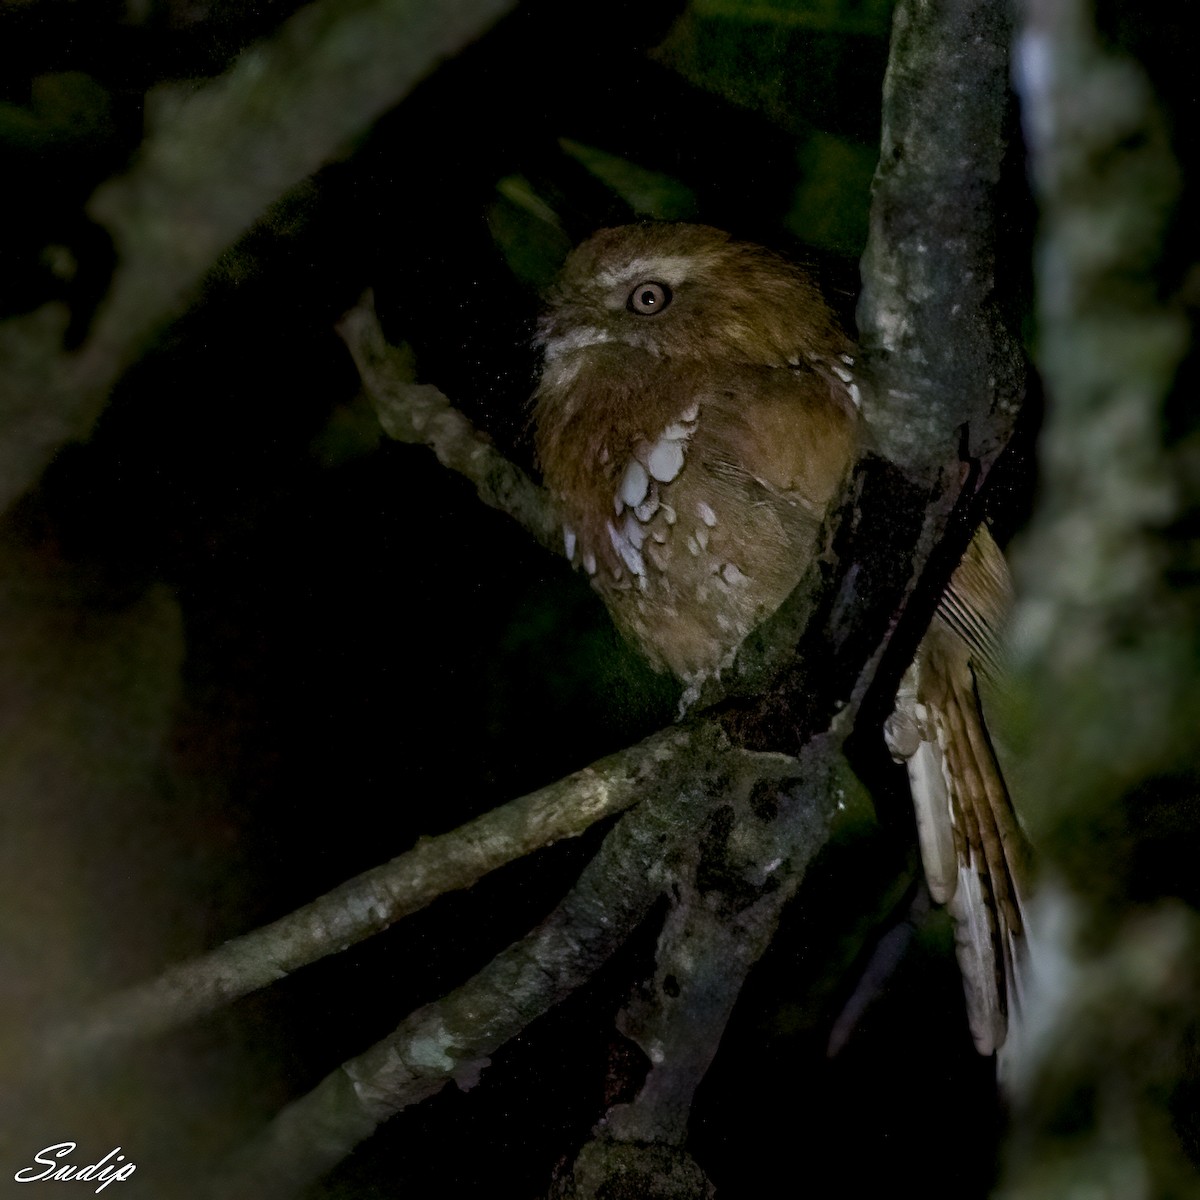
{"x":697,"y":414}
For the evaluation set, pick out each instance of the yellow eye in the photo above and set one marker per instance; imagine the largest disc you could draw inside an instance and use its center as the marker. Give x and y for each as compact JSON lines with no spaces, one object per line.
{"x":649,"y":298}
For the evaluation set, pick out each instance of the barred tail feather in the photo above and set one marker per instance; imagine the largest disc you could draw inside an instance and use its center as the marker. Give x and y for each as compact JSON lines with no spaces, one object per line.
{"x":972,"y":847}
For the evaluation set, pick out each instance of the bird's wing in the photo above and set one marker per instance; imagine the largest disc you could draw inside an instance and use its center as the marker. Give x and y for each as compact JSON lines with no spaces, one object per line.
{"x":972,"y":847}
{"x":793,"y":431}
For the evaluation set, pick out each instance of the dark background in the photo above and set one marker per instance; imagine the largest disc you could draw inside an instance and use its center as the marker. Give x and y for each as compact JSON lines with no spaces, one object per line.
{"x":366,"y":654}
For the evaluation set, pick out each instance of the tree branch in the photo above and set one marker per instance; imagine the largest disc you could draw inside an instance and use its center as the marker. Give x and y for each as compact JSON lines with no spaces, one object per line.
{"x":1106,"y":634}
{"x":852,"y":609}
{"x":451,"y":1038}
{"x":208,"y":170}
{"x":897,"y":508}
{"x":945,"y":367}
{"x":946,"y":376}
{"x":418,"y":413}
{"x":747,"y":862}
{"x":371,"y":902}
{"x":1093,"y":567}
{"x":942,"y":374}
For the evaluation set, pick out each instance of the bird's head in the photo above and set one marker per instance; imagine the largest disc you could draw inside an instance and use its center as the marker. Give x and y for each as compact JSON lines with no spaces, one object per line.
{"x":684,"y":292}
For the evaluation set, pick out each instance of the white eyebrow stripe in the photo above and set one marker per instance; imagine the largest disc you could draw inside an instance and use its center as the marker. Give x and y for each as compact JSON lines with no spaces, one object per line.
{"x":671,"y":268}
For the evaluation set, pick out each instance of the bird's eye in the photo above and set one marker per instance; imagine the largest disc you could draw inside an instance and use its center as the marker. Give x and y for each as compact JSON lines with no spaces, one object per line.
{"x":649,"y":298}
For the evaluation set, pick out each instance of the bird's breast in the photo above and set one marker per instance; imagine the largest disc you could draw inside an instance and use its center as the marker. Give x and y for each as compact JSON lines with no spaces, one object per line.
{"x":687,"y":548}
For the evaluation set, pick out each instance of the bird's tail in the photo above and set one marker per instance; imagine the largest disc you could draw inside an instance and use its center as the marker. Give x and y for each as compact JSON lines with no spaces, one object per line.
{"x":974,"y":853}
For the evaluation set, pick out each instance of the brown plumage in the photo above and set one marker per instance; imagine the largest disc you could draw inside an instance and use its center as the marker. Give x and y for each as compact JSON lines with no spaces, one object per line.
{"x":696,"y":416}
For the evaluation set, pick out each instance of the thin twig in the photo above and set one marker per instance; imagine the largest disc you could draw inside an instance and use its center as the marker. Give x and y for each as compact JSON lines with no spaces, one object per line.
{"x":419,"y":413}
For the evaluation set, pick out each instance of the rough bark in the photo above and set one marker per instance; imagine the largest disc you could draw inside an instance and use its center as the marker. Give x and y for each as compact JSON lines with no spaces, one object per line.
{"x":942,"y":375}
{"x":946,"y":369}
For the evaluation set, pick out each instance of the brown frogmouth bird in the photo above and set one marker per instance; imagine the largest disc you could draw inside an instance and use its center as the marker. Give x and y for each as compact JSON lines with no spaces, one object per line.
{"x":696,"y":415}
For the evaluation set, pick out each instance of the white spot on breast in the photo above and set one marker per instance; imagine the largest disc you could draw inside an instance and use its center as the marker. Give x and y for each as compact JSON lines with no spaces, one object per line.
{"x":668,"y":514}
{"x":677,"y":432}
{"x":731,"y":574}
{"x":843,"y":374}
{"x":633,"y":531}
{"x":706,"y":514}
{"x":855,"y":395}
{"x":665,"y":460}
{"x":848,"y":359}
{"x":649,"y":506}
{"x":702,"y":537}
{"x":693,"y":545}
{"x":629,"y":553}
{"x":569,"y":542}
{"x":634,"y":484}
{"x":691,"y":412}
{"x":589,"y":563}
